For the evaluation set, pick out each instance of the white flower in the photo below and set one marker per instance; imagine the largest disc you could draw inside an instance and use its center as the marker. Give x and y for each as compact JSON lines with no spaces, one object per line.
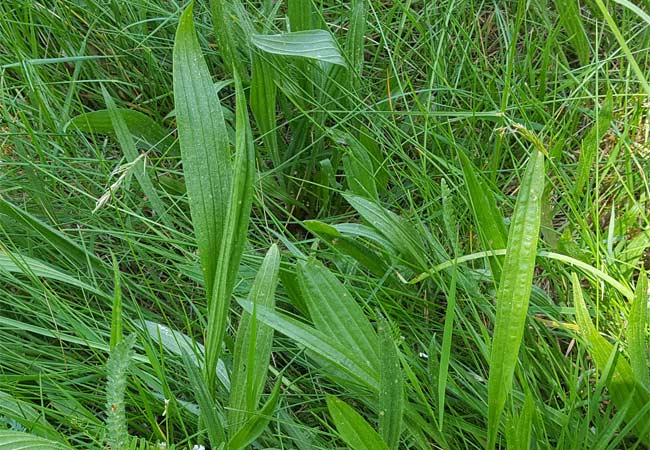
{"x":423,"y":355}
{"x":198,"y":447}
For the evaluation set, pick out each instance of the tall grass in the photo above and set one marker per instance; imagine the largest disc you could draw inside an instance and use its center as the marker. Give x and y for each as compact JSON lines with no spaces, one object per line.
{"x":372,"y":225}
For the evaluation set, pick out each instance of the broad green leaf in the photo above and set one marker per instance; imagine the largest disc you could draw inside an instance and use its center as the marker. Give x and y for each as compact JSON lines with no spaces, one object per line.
{"x":132,"y":155}
{"x":348,"y":246}
{"x":210,"y":413}
{"x":257,"y":423}
{"x":359,"y":166}
{"x":319,"y":343}
{"x":391,"y":388}
{"x":224,"y":30}
{"x":253,"y":346}
{"x":355,"y":44}
{"x":336,"y":313}
{"x":141,"y":126}
{"x":234,"y":236}
{"x":204,"y":145}
{"x":637,"y":335}
{"x":622,"y":383}
{"x":591,"y":142}
{"x":489,"y":220}
{"x":518,"y":428}
{"x":514,"y":291}
{"x":313,"y":44}
{"x":263,"y":105}
{"x":399,"y":233}
{"x":353,"y":428}
{"x":16,"y":440}
{"x":301,"y":14}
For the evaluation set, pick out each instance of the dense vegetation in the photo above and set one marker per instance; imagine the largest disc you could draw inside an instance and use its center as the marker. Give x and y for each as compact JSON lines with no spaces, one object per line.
{"x":311,"y":224}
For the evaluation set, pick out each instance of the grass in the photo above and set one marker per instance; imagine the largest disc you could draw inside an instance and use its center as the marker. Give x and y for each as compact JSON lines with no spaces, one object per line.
{"x":318,"y":224}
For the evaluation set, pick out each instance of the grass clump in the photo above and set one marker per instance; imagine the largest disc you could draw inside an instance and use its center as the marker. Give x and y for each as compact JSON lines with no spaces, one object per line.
{"x":403,"y":225}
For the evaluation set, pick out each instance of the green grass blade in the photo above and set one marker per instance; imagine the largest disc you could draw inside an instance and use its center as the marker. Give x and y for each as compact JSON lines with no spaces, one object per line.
{"x":313,"y":44}
{"x":590,"y":144}
{"x":336,"y":313}
{"x":204,"y":145}
{"x":23,"y":413}
{"x":319,"y":343}
{"x":637,"y":335}
{"x":445,"y":351}
{"x":391,"y":388}
{"x":132,"y":155}
{"x":355,"y":45}
{"x":569,"y":14}
{"x":622,"y":383}
{"x":15,"y":440}
{"x":353,"y":428}
{"x":116,"y":311}
{"x":514,"y":291}
{"x":253,"y":346}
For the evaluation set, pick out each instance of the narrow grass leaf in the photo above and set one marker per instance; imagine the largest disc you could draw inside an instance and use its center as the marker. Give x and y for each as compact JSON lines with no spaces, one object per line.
{"x":590,"y":144}
{"x":569,"y":14}
{"x":127,"y":145}
{"x":253,"y":346}
{"x":622,"y":383}
{"x":445,"y":351}
{"x":391,"y":388}
{"x":353,"y":428}
{"x":204,"y":145}
{"x":355,"y":44}
{"x":336,"y":313}
{"x":514,"y":291}
{"x":313,"y":44}
{"x":116,"y":310}
{"x":636,"y":330}
{"x":319,"y":343}
{"x":16,"y":440}
{"x":14,"y":263}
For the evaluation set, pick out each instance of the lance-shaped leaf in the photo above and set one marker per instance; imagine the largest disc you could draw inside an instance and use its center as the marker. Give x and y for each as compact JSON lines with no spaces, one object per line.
{"x":253,"y":346}
{"x":353,"y":428}
{"x":514,"y":291}
{"x":13,"y":440}
{"x":622,"y":383}
{"x":204,"y":145}
{"x":637,"y":325}
{"x":336,"y":313}
{"x":314,"y":44}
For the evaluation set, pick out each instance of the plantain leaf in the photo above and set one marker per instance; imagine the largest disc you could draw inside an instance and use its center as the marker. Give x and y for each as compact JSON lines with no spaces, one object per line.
{"x":514,"y":291}
{"x":253,"y":346}
{"x":141,"y":126}
{"x":15,"y":440}
{"x":336,"y":314}
{"x":319,"y":343}
{"x":622,"y":383}
{"x":204,"y":145}
{"x":313,"y":44}
{"x":637,"y":336}
{"x":353,"y":428}
{"x":488,"y":219}
{"x":256,"y":423}
{"x":391,"y":389}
